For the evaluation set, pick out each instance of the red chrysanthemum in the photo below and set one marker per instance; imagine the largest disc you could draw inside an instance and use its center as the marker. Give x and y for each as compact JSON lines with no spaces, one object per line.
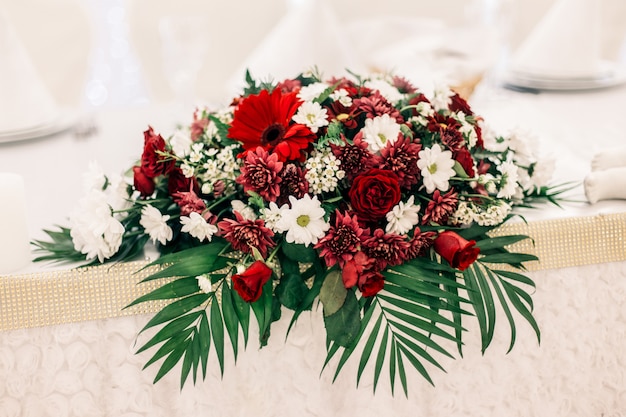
{"x":289,"y":86}
{"x":403,"y":85}
{"x":189,"y":202}
{"x":353,"y":89}
{"x":244,"y":234}
{"x":419,"y":244}
{"x":346,"y":115}
{"x":458,"y":104}
{"x":355,"y":158}
{"x":265,"y":120}
{"x":199,"y":125}
{"x":386,"y":248}
{"x":400,"y":157}
{"x":342,"y":241}
{"x":259,"y":173}
{"x":293,"y":182}
{"x":377,"y":105}
{"x":440,"y":207}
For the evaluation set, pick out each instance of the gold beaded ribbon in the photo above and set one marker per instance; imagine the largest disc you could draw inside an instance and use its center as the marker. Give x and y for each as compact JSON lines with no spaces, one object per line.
{"x":101,"y":292}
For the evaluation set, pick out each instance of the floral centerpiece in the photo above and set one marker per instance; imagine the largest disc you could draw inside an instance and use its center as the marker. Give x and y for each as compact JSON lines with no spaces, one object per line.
{"x":357,"y":193}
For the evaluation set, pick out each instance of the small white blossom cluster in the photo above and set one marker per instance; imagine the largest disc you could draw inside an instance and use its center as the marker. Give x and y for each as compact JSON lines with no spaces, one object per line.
{"x":424,"y":110}
{"x":466,"y":213}
{"x":218,"y":165}
{"x":323,"y":171}
{"x":467,"y":129}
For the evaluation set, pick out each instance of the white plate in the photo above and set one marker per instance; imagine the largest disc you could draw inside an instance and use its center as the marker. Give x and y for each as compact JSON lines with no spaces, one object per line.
{"x":612,"y":74}
{"x":62,"y":122}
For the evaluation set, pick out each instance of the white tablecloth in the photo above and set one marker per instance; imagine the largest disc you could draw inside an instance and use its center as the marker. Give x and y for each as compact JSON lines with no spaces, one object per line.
{"x":90,"y":369}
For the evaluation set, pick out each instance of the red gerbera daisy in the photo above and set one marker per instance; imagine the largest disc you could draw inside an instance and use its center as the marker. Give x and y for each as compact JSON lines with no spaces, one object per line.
{"x":265,"y":120}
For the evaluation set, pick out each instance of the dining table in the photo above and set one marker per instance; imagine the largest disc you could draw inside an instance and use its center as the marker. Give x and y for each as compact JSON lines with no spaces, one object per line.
{"x":68,"y":345}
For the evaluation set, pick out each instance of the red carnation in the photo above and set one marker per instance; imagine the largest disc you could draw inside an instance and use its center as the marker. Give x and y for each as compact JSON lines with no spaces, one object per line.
{"x":265,"y":120}
{"x":142,"y":183}
{"x":153,"y":160}
{"x":459,"y":252}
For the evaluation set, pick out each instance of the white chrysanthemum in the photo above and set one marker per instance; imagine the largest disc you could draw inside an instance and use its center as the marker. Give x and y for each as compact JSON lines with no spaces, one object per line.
{"x":342,"y":96}
{"x":441,"y":98}
{"x":304,"y":221}
{"x":436,"y":168}
{"x":543,"y":171}
{"x":312,"y":91}
{"x":312,"y":115}
{"x":118,"y":197}
{"x":197,"y":226}
{"x":204,"y":283}
{"x":155,"y":224}
{"x":386,"y":90}
{"x":403,"y":217}
{"x":181,"y":142}
{"x":508,"y":181}
{"x":245,"y":210}
{"x":272,"y":215}
{"x":94,"y":230}
{"x":379,"y":131}
{"x":94,"y":178}
{"x":467,"y":129}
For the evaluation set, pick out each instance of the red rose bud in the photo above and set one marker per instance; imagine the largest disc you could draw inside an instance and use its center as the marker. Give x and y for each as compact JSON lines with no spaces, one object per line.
{"x":249,"y":284}
{"x":374,"y":193}
{"x":142,"y":183}
{"x":459,"y":252}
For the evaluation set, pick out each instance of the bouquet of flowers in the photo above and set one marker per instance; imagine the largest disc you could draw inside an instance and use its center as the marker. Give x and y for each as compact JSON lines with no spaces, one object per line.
{"x":359,"y":194}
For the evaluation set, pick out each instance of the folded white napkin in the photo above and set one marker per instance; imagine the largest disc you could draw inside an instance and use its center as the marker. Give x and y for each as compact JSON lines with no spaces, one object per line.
{"x":25,"y":101}
{"x":564,"y":44}
{"x":310,"y":34}
{"x":607,"y":179}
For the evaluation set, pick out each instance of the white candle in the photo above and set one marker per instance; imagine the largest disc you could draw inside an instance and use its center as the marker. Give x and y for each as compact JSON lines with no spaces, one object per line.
{"x":14,"y":239}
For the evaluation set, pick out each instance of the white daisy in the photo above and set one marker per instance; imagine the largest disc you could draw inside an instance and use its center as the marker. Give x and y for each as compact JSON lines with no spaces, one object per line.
{"x":379,"y":131}
{"x":342,"y":97}
{"x":304,"y":221}
{"x":311,"y":114}
{"x":197,"y":226}
{"x":312,"y":91}
{"x":403,"y":217}
{"x":156,"y":224}
{"x":436,"y":167}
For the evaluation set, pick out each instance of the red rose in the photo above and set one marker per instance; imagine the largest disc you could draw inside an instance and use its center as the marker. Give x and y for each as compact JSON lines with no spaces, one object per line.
{"x":153,"y":162}
{"x":249,"y":284}
{"x":142,"y":182}
{"x":374,"y":193}
{"x":459,"y":253}
{"x":371,"y":283}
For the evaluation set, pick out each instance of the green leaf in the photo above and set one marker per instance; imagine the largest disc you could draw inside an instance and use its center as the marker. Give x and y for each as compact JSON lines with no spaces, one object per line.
{"x":420,"y":287}
{"x":175,"y":289}
{"x":402,"y":375}
{"x":392,"y":365}
{"x":169,"y":346}
{"x":231,"y":320}
{"x":217,"y":332}
{"x":188,"y":360}
{"x":299,"y":253}
{"x":478,"y":305}
{"x":514,"y":276}
{"x":495,"y":282}
{"x":204,"y":334}
{"x":171,"y":329}
{"x":380,"y":358}
{"x":190,"y":262}
{"x":499,"y":242}
{"x":171,"y":360}
{"x":508,"y":258}
{"x":408,"y":307}
{"x":416,"y":364}
{"x":176,"y":309}
{"x":367,"y":349}
{"x":242,"y":309}
{"x":490,"y":308}
{"x":262,"y":309}
{"x":521,"y":308}
{"x":343,"y":326}
{"x":291,"y":289}
{"x":333,"y":293}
